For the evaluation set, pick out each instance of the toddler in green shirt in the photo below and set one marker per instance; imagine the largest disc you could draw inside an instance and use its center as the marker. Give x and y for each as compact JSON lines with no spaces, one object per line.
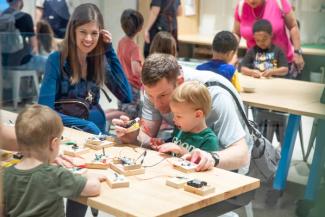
{"x":190,"y":104}
{"x":34,"y":187}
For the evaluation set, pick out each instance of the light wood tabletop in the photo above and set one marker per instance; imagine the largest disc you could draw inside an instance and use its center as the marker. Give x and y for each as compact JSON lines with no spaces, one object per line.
{"x":206,"y":39}
{"x":148,"y":195}
{"x":285,"y":95}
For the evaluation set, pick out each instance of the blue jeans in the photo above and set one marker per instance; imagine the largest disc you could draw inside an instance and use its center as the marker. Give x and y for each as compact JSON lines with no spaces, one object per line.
{"x":35,"y":63}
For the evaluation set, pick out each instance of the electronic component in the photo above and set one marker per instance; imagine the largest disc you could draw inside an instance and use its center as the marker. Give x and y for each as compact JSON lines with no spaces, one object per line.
{"x":115,"y":180}
{"x":99,"y":162}
{"x":184,"y":166}
{"x":133,"y":125}
{"x":198,"y":187}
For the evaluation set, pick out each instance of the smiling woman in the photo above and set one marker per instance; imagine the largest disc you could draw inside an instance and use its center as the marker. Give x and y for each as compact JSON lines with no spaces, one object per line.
{"x":75,"y":74}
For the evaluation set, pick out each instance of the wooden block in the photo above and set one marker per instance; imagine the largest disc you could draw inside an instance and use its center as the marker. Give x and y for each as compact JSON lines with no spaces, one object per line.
{"x":115,"y":180}
{"x":75,"y":152}
{"x":98,"y":145}
{"x":131,"y":166}
{"x":97,"y":165}
{"x":184,"y":166}
{"x":200,"y":191}
{"x":176,"y":182}
{"x":119,"y":168}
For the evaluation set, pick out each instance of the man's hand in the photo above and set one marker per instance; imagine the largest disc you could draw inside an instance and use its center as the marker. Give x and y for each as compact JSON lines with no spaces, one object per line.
{"x":122,"y":132}
{"x":202,"y":158}
{"x":172,"y":147}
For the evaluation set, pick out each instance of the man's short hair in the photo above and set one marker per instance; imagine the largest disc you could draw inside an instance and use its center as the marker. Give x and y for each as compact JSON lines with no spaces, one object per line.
{"x":158,"y":66}
{"x":131,"y":22}
{"x":262,"y":26}
{"x":224,"y":42}
{"x":195,"y":93}
{"x":36,"y":126}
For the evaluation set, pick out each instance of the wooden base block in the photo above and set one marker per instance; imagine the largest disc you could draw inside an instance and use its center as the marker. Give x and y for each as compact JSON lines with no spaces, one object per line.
{"x":119,"y":168}
{"x":97,"y":165}
{"x":99,"y":146}
{"x":117,"y":181}
{"x":200,"y":191}
{"x":75,"y":152}
{"x":131,"y":167}
{"x":176,"y":182}
{"x":184,"y":166}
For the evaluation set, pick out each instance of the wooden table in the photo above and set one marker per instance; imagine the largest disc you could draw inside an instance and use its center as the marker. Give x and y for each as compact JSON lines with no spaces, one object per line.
{"x":202,"y":39}
{"x":148,"y":194}
{"x":296,"y":98}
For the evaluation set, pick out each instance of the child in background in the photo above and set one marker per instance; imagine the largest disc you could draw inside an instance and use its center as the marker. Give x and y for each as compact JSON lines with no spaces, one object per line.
{"x":34,"y":187}
{"x":45,"y":38}
{"x":190,"y":104}
{"x":163,"y":42}
{"x":130,"y":57}
{"x":264,"y":59}
{"x":224,"y":47}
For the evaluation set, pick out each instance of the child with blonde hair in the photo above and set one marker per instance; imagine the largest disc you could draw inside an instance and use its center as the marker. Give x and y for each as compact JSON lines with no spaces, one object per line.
{"x":34,"y":187}
{"x":190,"y":104}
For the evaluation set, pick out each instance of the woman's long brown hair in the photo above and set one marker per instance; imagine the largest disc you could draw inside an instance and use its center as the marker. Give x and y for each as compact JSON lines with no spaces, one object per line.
{"x":83,"y":14}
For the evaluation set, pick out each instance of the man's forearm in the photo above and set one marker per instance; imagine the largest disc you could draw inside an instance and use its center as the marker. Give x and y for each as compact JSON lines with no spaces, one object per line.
{"x":235,"y":156}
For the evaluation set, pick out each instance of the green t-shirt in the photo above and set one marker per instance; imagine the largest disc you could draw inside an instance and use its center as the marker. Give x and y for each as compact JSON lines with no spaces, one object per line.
{"x":39,"y":191}
{"x":205,"y":140}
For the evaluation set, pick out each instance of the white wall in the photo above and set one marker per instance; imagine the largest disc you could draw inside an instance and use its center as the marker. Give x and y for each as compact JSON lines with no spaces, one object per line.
{"x":111,"y":10}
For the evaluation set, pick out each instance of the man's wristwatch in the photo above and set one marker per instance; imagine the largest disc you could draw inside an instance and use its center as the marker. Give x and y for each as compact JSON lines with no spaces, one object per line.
{"x":298,"y":51}
{"x":216,"y":158}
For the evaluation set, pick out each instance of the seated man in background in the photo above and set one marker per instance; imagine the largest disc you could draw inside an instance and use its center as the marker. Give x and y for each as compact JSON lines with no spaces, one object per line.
{"x":20,"y":53}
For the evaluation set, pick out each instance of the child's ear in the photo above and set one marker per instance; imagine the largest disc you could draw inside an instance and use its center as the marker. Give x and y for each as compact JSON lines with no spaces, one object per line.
{"x":54,"y":142}
{"x":179,"y":80}
{"x":198,"y":113}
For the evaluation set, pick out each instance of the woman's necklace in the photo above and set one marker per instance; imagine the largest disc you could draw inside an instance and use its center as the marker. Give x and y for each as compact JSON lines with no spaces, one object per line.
{"x":260,"y":15}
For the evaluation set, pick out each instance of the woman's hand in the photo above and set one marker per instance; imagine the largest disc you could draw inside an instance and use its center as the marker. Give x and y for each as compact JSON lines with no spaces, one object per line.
{"x":107,"y":36}
{"x":299,"y":61}
{"x":155,"y":143}
{"x":255,"y":73}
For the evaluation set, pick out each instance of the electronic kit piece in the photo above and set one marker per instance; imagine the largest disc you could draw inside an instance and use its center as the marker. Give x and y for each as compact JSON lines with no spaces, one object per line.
{"x":99,"y":162}
{"x":67,"y":141}
{"x":184,"y":166}
{"x":78,"y":170}
{"x":198,"y":187}
{"x":115,"y":180}
{"x":133,"y":125}
{"x":127,"y":163}
{"x":177,"y":182}
{"x":75,"y":150}
{"x":98,"y":142}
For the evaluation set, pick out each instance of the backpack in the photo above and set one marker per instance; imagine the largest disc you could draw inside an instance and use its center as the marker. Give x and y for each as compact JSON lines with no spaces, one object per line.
{"x":11,"y":40}
{"x":264,"y":157}
{"x":56,"y":13}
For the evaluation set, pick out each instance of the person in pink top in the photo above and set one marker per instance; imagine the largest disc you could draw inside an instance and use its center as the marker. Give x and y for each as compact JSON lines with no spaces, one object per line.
{"x":280,"y":14}
{"x":130,"y":57}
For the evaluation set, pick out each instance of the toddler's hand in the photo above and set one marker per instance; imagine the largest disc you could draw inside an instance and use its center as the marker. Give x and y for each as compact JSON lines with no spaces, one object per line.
{"x":172,"y":147}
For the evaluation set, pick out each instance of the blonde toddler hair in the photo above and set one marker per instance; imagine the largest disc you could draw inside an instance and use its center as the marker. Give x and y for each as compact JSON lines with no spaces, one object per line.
{"x":36,"y":126}
{"x":194,"y":93}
